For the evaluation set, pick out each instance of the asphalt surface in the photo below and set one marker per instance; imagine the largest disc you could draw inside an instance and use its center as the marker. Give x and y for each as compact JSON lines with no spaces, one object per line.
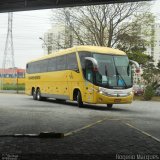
{"x":92,"y":131}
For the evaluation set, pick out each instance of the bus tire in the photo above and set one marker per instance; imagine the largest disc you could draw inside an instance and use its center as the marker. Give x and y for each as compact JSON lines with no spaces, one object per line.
{"x":109,"y":106}
{"x":38,"y":95}
{"x":34,"y":95}
{"x":79,"y":99}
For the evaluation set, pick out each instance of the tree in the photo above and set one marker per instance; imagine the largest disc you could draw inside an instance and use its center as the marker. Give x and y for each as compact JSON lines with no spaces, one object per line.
{"x":151,"y":75}
{"x":102,"y":25}
{"x":158,"y":65}
{"x":140,"y":34}
{"x":139,"y":57}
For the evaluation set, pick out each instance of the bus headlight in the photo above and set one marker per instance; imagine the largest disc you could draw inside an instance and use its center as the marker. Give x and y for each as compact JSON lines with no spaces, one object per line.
{"x":104,"y":91}
{"x":130,"y":93}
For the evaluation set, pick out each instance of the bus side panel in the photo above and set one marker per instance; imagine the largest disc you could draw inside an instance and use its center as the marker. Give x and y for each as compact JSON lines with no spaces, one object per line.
{"x":59,"y":84}
{"x":74,"y":82}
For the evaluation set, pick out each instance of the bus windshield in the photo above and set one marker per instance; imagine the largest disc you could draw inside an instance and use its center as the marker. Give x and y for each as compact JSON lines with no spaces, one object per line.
{"x":113,"y":72}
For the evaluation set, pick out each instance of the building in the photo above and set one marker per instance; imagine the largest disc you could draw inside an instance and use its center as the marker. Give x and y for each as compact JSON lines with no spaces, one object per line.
{"x":154,"y":48}
{"x":137,"y":76}
{"x":12,"y":73}
{"x":59,"y":37}
{"x":54,"y":39}
{"x":152,"y":36}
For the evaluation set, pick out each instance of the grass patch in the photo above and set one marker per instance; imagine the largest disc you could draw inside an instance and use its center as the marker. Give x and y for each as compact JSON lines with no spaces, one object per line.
{"x":141,"y":98}
{"x":19,"y":87}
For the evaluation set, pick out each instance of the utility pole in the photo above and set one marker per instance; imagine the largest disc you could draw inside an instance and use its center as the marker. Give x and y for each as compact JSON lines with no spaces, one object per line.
{"x":8,"y":58}
{"x":45,"y":44}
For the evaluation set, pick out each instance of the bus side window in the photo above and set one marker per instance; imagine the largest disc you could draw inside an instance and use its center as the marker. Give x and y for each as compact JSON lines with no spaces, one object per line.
{"x":72,"y":62}
{"x":52,"y":64}
{"x":61,"y":62}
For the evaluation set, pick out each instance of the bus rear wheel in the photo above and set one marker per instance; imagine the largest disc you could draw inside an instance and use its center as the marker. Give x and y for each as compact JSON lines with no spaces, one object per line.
{"x":109,"y":106}
{"x":34,"y":94}
{"x":39,"y":97}
{"x":79,"y":99}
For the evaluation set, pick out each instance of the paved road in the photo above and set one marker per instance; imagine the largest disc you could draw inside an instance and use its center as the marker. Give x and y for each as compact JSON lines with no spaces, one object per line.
{"x":124,"y":129}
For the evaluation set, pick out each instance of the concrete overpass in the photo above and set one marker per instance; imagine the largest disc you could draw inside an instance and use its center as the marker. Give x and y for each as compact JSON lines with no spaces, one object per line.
{"x":22,"y":5}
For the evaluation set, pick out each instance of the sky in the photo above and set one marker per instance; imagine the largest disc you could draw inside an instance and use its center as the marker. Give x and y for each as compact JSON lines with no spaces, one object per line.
{"x":28,"y":26}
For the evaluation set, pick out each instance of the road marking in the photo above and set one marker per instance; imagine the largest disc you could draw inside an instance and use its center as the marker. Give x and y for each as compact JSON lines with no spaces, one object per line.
{"x":143,"y":132}
{"x":91,"y":125}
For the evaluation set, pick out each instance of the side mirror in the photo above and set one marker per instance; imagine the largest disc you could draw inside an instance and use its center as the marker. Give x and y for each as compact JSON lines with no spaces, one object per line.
{"x":128,"y":69}
{"x":136,"y":65}
{"x":91,"y":66}
{"x":93,"y":62}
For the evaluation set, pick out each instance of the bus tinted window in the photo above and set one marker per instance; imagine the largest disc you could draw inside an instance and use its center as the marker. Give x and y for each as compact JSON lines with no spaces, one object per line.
{"x":42,"y":66}
{"x":37,"y":67}
{"x":52,"y":64}
{"x":82,"y":56}
{"x":72,"y":61}
{"x":31,"y":68}
{"x":61,"y":62}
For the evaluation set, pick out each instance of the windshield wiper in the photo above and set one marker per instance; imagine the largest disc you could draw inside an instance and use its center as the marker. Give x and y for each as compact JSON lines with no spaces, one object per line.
{"x":106,"y":73}
{"x":120,"y":76}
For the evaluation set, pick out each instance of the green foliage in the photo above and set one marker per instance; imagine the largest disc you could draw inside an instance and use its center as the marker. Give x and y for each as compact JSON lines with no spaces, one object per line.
{"x":20,"y":87}
{"x":139,"y":57}
{"x":139,"y":34}
{"x":113,"y":25}
{"x":155,"y":85}
{"x":149,"y":93}
{"x":158,"y":64}
{"x":151,"y":74}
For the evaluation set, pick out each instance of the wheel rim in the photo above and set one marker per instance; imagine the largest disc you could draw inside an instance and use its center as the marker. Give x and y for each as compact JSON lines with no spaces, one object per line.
{"x":38,"y":96}
{"x":78,"y":97}
{"x":34,"y":94}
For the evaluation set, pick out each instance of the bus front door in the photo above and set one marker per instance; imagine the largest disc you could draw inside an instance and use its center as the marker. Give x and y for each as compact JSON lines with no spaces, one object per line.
{"x":89,"y":79}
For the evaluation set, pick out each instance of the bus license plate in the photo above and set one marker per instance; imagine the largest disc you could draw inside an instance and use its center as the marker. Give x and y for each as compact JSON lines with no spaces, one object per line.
{"x":117,"y":100}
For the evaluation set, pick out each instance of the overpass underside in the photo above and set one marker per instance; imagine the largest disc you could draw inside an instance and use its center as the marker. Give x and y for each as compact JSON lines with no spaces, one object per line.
{"x":22,"y":5}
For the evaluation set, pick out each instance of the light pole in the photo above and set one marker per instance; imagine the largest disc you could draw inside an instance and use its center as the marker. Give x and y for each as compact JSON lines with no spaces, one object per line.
{"x":17,"y":80}
{"x":45,"y":44}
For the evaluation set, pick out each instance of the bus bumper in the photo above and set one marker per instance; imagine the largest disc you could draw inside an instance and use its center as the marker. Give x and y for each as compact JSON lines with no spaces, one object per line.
{"x":102,"y":99}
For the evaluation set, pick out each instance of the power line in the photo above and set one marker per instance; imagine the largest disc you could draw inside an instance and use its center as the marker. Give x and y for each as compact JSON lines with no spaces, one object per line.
{"x":29,"y":16}
{"x":28,"y":25}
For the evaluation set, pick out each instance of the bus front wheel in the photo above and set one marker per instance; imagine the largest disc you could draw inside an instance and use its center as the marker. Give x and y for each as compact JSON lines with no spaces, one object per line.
{"x":79,"y":99}
{"x":109,"y":106}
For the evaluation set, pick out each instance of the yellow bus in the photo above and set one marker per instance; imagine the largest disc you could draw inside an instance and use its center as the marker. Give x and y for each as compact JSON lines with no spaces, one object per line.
{"x":86,"y":74}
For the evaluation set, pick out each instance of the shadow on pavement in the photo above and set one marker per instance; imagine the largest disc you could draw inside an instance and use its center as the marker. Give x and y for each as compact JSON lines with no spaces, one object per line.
{"x":87,"y":106}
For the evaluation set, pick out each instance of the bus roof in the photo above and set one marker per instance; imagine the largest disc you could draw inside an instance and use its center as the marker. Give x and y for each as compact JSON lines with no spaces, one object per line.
{"x":97,"y":49}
